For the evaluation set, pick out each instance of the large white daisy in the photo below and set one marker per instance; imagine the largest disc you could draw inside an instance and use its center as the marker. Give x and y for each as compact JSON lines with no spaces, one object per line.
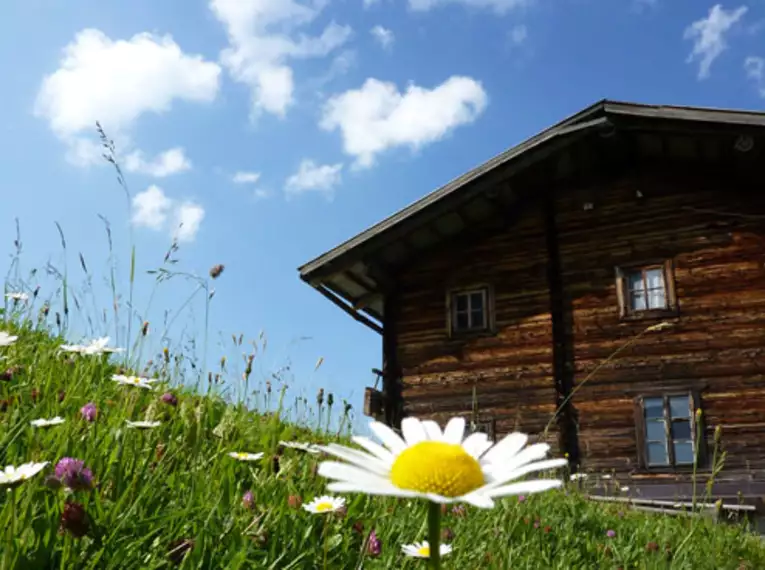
{"x":444,"y":467}
{"x":11,"y":474}
{"x":422,"y":549}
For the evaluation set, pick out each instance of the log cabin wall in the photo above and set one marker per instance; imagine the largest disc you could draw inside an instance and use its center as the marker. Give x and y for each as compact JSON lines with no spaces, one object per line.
{"x":511,"y":368}
{"x":712,"y":230}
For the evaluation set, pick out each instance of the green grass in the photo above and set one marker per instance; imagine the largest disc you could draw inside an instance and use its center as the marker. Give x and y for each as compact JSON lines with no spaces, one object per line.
{"x":157,"y":488}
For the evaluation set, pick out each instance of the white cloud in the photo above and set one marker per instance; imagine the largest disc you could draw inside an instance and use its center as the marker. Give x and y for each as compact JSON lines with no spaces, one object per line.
{"x":519,"y":34}
{"x":154,"y":210}
{"x":383,"y":36}
{"x":377,"y":116}
{"x":499,"y":6}
{"x":242,"y":177}
{"x":755,"y":70}
{"x":150,"y":208}
{"x":262,"y":39}
{"x":187,"y":220}
{"x":370,"y":3}
{"x":314,"y":177}
{"x":708,"y":35}
{"x":115,"y":82}
{"x":171,"y":161}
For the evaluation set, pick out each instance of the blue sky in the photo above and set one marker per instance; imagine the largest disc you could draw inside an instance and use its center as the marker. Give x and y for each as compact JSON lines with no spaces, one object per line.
{"x":275,"y":129}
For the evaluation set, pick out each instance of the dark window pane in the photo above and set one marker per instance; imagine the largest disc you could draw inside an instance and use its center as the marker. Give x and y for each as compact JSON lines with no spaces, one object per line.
{"x":654,"y":408}
{"x":477,"y":319}
{"x":461,"y":321}
{"x":635,"y":281}
{"x":684,"y":453}
{"x":638,"y":301}
{"x":476,"y":301}
{"x":681,"y":430}
{"x":461,"y":302}
{"x":654,"y":430}
{"x":680,"y":407}
{"x":657,"y":454}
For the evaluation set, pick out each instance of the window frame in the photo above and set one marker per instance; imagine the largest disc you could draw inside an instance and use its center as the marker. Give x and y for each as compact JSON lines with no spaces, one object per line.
{"x":623,"y":293}
{"x":698,"y":432}
{"x":487,"y":294}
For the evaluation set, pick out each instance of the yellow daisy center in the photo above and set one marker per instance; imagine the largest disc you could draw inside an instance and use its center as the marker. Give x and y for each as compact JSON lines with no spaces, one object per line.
{"x":435,"y":467}
{"x":424,"y":551}
{"x":324,"y":507}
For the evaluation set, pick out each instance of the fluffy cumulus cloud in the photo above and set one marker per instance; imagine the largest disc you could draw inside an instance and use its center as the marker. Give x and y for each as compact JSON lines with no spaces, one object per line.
{"x":263,"y":38}
{"x":377,"y":116}
{"x":172,"y":161}
{"x":708,"y":36}
{"x":153,"y":209}
{"x":755,"y":70}
{"x":498,"y":6}
{"x":383,"y":36}
{"x":115,"y":82}
{"x":312,"y":177}
{"x":243,"y":177}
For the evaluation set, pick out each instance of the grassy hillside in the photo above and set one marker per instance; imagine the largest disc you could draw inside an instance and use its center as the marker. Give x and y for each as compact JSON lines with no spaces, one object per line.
{"x":172,"y":496}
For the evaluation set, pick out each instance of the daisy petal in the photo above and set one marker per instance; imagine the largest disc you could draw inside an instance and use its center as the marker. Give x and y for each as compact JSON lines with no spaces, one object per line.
{"x":454,"y":430}
{"x":529,"y":454}
{"x":525,"y":487}
{"x":480,"y":500}
{"x":507,"y":447}
{"x":380,"y":490}
{"x":349,"y":473}
{"x":413,"y":431}
{"x":375,"y":449}
{"x":503,"y":475}
{"x":360,"y":458}
{"x":476,"y":444}
{"x":388,"y":437}
{"x":432,"y":430}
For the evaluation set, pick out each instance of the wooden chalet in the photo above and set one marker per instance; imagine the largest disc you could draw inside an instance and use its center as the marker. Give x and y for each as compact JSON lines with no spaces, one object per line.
{"x":612,"y":268}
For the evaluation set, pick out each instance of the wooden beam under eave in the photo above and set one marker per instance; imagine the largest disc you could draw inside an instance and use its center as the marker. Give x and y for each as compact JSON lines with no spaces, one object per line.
{"x":348,"y":309}
{"x":365,"y":300}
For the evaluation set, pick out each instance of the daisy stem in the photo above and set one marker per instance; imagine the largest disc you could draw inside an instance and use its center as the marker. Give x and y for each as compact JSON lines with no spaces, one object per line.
{"x":434,"y":534}
{"x":326,"y":539}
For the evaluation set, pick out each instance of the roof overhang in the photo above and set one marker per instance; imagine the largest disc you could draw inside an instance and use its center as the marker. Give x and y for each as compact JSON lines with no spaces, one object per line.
{"x":352,"y":275}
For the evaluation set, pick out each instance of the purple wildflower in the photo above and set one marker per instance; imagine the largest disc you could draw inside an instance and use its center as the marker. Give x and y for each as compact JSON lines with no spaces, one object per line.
{"x":459,"y":510}
{"x":170,"y":398}
{"x":521,"y":498}
{"x":89,"y":412}
{"x":374,"y":546}
{"x":611,"y":533}
{"x":248,"y":500}
{"x":73,"y":473}
{"x":74,"y":520}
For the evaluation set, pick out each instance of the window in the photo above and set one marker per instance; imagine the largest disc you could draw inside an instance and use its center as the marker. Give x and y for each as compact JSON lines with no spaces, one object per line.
{"x":668,"y":431}
{"x":469,"y":310}
{"x":647,"y":290}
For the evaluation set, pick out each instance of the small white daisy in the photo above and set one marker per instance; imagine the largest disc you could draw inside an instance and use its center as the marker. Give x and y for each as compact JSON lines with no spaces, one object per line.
{"x":17,"y":296}
{"x":11,"y":474}
{"x":439,"y":466}
{"x":624,"y":489}
{"x":244,"y":456}
{"x":142,"y":424}
{"x":42,"y":422}
{"x":137,"y":381}
{"x":95,"y":347}
{"x":306,"y":447}
{"x":422,"y":549}
{"x":578,"y":476}
{"x":325,"y":504}
{"x":6,"y":339}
